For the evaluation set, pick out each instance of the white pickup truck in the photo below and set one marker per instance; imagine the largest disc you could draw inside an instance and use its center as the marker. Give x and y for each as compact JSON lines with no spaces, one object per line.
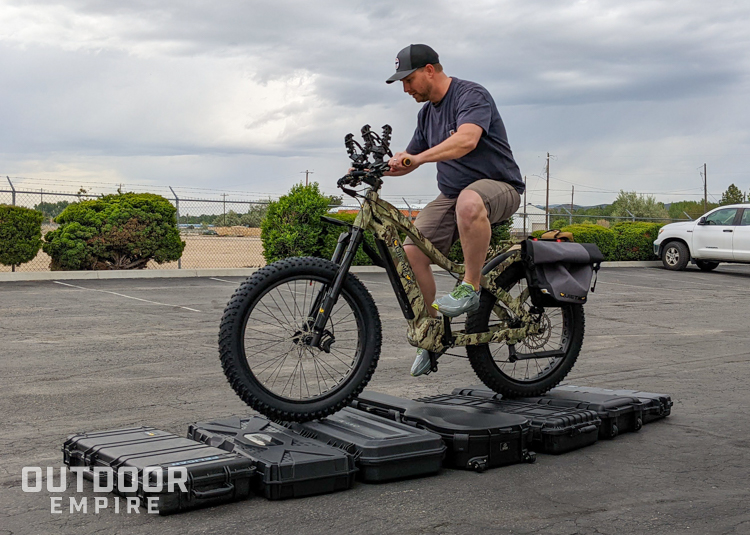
{"x":722,"y":235}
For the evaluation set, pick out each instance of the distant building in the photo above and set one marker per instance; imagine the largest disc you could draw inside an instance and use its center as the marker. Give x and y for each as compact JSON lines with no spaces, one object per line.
{"x":527,"y":220}
{"x":412,"y":210}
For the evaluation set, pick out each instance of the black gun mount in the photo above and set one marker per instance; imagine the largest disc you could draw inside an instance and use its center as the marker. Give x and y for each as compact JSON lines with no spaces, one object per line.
{"x":375,"y":145}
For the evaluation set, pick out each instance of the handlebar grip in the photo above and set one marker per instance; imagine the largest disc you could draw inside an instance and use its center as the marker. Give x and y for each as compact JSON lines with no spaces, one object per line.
{"x":406,"y":162}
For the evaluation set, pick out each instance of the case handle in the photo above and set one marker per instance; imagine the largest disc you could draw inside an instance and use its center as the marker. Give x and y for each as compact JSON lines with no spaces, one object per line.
{"x":587,"y":429}
{"x":215,"y":493}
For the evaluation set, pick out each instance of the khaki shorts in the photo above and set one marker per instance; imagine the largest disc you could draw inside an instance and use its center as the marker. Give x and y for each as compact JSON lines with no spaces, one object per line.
{"x":437,"y":222}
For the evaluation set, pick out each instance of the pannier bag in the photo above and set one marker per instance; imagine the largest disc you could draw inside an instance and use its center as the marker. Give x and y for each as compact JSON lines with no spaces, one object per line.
{"x":559,"y":272}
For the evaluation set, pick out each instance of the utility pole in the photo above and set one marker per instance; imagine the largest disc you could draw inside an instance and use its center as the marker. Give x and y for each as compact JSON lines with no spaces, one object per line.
{"x":307,"y":173}
{"x":224,"y":195}
{"x":572,"y":196}
{"x":705,"y":190}
{"x":524,"y":207}
{"x":546,"y":209}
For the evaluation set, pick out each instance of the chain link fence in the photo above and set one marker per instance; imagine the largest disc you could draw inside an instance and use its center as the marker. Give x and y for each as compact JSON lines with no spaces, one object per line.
{"x":225,"y":233}
{"x":218,"y":233}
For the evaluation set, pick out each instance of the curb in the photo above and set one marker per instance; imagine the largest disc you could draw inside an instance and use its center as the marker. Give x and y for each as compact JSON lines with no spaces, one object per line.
{"x":137,"y":274}
{"x":20,"y":276}
{"x":632,"y":264}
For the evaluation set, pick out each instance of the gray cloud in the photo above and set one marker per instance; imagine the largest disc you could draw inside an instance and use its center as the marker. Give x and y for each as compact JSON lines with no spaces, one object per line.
{"x":614,"y":89}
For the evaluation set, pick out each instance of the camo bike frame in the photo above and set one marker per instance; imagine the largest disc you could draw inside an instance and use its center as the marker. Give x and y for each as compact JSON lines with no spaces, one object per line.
{"x":386,"y":222}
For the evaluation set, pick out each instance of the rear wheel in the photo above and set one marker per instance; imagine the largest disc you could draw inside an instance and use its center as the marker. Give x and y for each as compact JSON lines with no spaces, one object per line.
{"x":676,"y":256}
{"x":264,"y":338}
{"x":704,"y":265}
{"x":561,"y":329}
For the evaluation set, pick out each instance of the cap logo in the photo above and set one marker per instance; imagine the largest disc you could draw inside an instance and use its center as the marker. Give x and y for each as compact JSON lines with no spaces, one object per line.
{"x":397,"y":63}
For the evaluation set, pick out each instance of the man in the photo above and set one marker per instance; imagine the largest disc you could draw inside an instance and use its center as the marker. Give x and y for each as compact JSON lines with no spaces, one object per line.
{"x":460,"y":129}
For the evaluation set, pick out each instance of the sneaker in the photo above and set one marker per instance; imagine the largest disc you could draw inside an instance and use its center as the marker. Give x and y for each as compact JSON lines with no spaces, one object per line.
{"x":422,"y":364}
{"x":460,"y":301}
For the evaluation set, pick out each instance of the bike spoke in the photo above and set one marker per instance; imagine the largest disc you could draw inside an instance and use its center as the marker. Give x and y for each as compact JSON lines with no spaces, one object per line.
{"x":277,"y":337}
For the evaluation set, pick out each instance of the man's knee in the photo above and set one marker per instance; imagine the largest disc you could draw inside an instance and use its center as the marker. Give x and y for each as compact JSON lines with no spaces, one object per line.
{"x":470,"y":207}
{"x":416,"y":256}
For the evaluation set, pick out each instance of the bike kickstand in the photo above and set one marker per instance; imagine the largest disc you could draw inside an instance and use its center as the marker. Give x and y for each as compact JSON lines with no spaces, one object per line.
{"x":433,"y":361}
{"x":512,"y":355}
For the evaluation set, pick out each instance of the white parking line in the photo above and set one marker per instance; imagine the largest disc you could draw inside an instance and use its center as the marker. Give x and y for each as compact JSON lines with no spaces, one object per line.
{"x":126,"y":296}
{"x":222,"y":280}
{"x":644,"y":287}
{"x":679,"y":281}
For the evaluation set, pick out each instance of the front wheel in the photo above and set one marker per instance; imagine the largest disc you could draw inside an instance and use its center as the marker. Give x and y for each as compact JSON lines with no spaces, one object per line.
{"x":676,"y":256}
{"x":561,"y":330}
{"x":265,"y":333}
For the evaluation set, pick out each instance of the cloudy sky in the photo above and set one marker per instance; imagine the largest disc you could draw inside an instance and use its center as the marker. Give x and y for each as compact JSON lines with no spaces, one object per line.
{"x":244,"y":96}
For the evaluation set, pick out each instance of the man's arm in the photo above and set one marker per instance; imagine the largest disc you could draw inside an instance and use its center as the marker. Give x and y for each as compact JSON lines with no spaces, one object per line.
{"x":459,"y":144}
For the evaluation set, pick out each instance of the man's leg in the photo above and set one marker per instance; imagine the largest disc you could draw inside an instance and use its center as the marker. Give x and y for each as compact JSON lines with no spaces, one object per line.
{"x":436,"y":223}
{"x":481,"y":203}
{"x":475,"y":232}
{"x":420,"y":264}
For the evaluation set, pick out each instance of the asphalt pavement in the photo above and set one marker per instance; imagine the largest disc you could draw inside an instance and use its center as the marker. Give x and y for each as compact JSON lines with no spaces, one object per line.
{"x":105,"y":354}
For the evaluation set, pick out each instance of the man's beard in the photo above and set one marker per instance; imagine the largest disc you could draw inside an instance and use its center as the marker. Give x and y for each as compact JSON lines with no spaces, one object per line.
{"x":420,"y":97}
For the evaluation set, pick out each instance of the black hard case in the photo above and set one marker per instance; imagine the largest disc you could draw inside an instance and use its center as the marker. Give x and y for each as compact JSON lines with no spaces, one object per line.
{"x":214,"y":476}
{"x":617,"y":413}
{"x":655,"y":406}
{"x":553,"y":429}
{"x":383,"y":449}
{"x":475,"y":439}
{"x":288,"y":464}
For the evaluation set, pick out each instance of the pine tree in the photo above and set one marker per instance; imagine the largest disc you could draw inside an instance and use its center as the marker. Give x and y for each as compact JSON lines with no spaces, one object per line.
{"x":733,"y":195}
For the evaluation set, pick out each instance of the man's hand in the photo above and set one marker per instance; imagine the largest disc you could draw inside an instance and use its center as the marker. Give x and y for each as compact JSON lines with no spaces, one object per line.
{"x":397,"y":164}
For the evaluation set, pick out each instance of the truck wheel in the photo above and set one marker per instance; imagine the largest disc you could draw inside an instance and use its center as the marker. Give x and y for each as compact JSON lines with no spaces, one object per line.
{"x":676,"y":256}
{"x":704,"y":265}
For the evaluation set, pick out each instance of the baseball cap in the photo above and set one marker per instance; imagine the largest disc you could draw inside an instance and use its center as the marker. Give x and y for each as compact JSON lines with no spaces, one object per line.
{"x":410,"y":59}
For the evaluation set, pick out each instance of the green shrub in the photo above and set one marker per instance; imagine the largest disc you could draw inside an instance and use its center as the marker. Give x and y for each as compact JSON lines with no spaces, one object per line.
{"x":537,"y":233}
{"x":292,"y":226}
{"x":557,"y":224}
{"x":499,"y":233}
{"x":122,"y":231}
{"x":20,"y":234}
{"x":604,"y":238}
{"x":635,"y":240}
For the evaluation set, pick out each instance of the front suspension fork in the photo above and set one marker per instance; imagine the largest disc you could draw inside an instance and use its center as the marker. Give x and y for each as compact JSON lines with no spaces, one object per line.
{"x":329,"y":294}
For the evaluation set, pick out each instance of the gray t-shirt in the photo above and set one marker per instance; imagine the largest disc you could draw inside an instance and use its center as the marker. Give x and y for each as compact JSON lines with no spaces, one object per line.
{"x":467,"y":102}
